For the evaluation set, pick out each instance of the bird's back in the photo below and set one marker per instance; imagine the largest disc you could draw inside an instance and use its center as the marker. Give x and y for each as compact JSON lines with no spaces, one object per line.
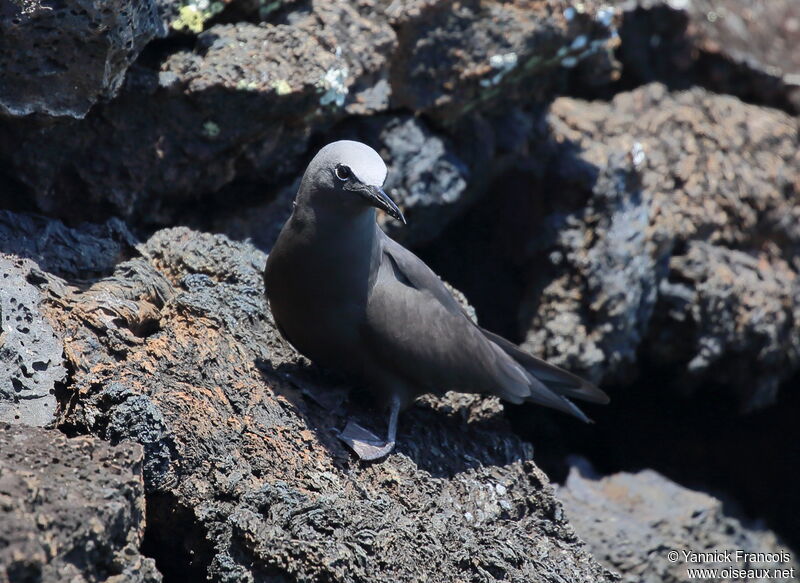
{"x":419,"y":332}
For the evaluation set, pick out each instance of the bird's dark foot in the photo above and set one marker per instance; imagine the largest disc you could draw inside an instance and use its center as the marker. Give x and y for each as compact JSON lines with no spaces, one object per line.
{"x":364,"y":443}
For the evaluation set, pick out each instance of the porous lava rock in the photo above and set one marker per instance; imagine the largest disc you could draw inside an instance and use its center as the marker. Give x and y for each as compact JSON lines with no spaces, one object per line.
{"x":70,"y":509}
{"x":684,"y":246}
{"x":61,"y":58}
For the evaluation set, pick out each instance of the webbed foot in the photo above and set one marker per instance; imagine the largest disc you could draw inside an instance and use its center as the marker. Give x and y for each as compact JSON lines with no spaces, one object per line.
{"x":366,"y":445}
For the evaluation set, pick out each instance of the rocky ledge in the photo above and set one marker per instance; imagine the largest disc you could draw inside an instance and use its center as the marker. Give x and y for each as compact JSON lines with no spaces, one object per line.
{"x":174,"y":348}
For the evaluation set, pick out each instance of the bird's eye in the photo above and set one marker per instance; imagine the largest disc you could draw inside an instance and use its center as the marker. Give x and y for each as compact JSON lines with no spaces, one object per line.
{"x":343,"y":173}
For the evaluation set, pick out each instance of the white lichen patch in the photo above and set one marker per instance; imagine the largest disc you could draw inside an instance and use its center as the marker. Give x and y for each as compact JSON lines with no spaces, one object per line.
{"x":243,"y":85}
{"x":569,"y":62}
{"x":334,"y":85}
{"x":638,"y":155}
{"x":581,"y":47}
{"x":487,"y":502}
{"x":579,"y":43}
{"x":792,"y":78}
{"x":605,"y":16}
{"x":679,"y":4}
{"x":211,"y":129}
{"x":265,"y":8}
{"x":501,"y":64}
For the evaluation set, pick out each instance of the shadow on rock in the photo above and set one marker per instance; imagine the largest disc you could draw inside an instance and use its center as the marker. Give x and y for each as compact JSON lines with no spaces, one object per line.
{"x":444,"y":436}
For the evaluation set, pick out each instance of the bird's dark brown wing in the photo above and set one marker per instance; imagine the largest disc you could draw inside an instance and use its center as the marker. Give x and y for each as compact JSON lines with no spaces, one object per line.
{"x":415,"y":326}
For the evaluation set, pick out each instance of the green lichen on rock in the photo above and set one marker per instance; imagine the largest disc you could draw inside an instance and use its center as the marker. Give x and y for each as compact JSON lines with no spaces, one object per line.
{"x":282,"y":87}
{"x":193,"y":15}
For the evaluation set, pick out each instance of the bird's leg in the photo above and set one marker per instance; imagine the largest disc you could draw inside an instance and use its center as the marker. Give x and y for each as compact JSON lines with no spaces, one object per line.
{"x":366,"y":444}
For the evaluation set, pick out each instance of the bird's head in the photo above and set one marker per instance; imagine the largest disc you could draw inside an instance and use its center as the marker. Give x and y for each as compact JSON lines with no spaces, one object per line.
{"x":349,"y":176}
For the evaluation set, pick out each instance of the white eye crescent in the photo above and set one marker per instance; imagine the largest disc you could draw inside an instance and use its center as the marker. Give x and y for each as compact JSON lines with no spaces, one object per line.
{"x":343,"y":173}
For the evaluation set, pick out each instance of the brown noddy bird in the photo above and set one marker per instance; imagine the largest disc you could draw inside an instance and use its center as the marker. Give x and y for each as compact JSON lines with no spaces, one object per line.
{"x":353,"y":300}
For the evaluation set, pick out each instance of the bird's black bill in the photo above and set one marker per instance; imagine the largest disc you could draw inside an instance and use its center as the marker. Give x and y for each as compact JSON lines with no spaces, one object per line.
{"x":378,"y":198}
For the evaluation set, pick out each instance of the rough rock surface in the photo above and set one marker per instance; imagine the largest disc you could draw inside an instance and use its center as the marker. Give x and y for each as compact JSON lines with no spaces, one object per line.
{"x":59,"y":59}
{"x":70,"y":509}
{"x":244,"y":473}
{"x":34,"y":250}
{"x":427,"y":177}
{"x":739,"y":47}
{"x":727,"y":307}
{"x":691,"y":212}
{"x":651,"y":239}
{"x":454,"y":57}
{"x":31,"y":353}
{"x":632,"y":521}
{"x":760,"y":34}
{"x":78,"y":254}
{"x":241,"y":102}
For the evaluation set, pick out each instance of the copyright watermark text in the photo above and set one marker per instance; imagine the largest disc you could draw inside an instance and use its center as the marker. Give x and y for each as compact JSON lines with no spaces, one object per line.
{"x":735,"y":564}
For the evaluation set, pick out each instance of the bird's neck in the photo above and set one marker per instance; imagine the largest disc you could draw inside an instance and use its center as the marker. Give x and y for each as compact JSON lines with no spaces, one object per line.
{"x":342,"y":227}
{"x":345,"y":247}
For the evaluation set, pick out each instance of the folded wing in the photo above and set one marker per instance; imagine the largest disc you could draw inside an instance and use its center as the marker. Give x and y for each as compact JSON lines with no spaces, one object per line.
{"x":416,"y":328}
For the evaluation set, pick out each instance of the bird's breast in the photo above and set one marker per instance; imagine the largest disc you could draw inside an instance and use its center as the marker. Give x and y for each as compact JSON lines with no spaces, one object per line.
{"x":318,"y":304}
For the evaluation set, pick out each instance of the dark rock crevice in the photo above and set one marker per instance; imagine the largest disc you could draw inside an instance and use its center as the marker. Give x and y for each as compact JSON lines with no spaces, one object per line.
{"x":702,"y":442}
{"x":72,"y":509}
{"x":175,"y":540}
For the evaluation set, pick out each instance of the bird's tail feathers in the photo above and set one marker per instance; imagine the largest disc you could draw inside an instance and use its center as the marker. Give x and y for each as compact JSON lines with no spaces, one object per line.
{"x":550,"y":385}
{"x":542,"y":395}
